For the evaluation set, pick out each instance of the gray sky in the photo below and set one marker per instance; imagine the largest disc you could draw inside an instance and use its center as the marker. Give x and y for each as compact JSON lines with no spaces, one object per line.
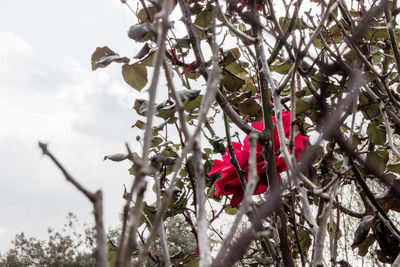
{"x":49,"y":93}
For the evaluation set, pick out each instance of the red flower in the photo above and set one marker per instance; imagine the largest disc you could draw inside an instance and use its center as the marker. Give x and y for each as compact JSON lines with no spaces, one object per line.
{"x":174,"y":57}
{"x":190,"y":68}
{"x":229,"y":184}
{"x":260,"y":3}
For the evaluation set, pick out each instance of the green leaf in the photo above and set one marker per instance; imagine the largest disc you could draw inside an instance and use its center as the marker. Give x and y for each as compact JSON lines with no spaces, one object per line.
{"x":249,"y":107}
{"x":369,"y":77}
{"x":379,"y":158}
{"x":203,"y":21}
{"x":304,"y":238}
{"x":139,"y":124}
{"x":376,"y":59}
{"x":116,"y":157}
{"x":356,"y":141}
{"x":139,"y":32}
{"x":167,"y":112}
{"x":183,"y":43}
{"x":335,"y":33}
{"x":207,"y":151}
{"x":192,"y":75}
{"x":351,"y":56}
{"x":284,"y":22}
{"x":218,"y":145}
{"x":230,"y":56}
{"x":156,"y":141}
{"x":169,"y":152}
{"x":363,"y":247}
{"x":143,"y":51}
{"x":112,"y":253}
{"x":394,"y":168}
{"x":362,"y":230}
{"x":150,"y":212}
{"x":232,"y":82}
{"x":142,"y":16}
{"x":282,"y":68}
{"x":189,"y":95}
{"x":148,"y":61}
{"x":376,"y":133}
{"x":183,"y":172}
{"x":104,"y":56}
{"x":230,"y":210}
{"x":135,"y":75}
{"x":304,"y":104}
{"x":318,"y":43}
{"x":369,"y":107}
{"x":191,"y":105}
{"x":332,"y":230}
{"x":141,"y":106}
{"x":235,"y":68}
{"x":376,"y":33}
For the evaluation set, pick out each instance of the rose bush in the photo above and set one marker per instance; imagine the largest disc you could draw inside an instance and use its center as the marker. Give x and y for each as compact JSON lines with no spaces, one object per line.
{"x":230,"y":184}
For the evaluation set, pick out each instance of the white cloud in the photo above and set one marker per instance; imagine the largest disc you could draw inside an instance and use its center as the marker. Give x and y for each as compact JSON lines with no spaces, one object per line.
{"x":82,"y":114}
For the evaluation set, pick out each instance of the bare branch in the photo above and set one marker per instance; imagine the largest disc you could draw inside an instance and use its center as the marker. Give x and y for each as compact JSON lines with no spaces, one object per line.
{"x":101,"y":253}
{"x":240,"y":34}
{"x":205,"y":257}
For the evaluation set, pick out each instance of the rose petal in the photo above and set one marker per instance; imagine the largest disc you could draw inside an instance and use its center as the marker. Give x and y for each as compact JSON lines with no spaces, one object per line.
{"x":236,"y":198}
{"x":230,"y":184}
{"x":217,"y":166}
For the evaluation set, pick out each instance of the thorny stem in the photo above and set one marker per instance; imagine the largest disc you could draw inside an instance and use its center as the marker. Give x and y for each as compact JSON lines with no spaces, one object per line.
{"x":202,"y":224}
{"x":265,"y":79}
{"x":293,"y":220}
{"x":245,"y":206}
{"x":161,"y":230}
{"x":178,"y":101}
{"x":239,"y":171}
{"x":389,"y":23}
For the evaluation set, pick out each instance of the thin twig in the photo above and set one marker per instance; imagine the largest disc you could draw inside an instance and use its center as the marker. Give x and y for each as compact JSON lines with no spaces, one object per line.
{"x":240,"y":34}
{"x":389,"y":130}
{"x":253,"y":181}
{"x":101,"y":253}
{"x":321,"y":230}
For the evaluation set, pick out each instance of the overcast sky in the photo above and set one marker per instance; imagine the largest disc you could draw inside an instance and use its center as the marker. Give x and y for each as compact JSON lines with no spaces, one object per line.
{"x":49,"y":93}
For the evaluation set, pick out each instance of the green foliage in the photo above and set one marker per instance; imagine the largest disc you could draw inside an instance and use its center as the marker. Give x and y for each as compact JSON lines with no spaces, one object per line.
{"x":181,"y":243}
{"x":135,"y":75}
{"x":69,"y":248}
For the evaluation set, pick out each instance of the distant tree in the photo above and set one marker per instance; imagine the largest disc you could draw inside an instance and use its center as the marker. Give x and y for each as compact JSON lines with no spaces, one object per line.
{"x":72,"y":247}
{"x":68,"y":248}
{"x":181,"y":243}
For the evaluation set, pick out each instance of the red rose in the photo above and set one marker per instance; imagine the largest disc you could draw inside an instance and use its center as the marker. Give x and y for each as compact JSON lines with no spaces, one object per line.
{"x":260,"y":3}
{"x":229,"y":184}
